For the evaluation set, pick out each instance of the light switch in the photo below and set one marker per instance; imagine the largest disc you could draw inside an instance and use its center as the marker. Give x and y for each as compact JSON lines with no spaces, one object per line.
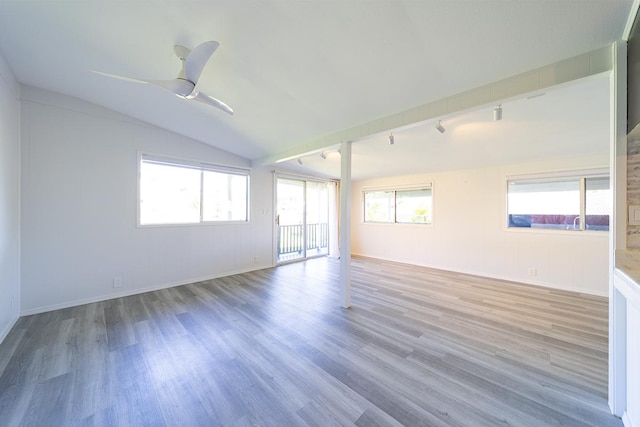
{"x":634,"y":215}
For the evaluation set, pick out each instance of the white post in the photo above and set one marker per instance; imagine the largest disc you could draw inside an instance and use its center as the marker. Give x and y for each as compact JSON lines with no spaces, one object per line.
{"x":345,"y":224}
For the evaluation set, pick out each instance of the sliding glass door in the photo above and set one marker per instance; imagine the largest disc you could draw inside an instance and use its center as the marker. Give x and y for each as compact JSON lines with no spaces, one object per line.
{"x":301,"y":219}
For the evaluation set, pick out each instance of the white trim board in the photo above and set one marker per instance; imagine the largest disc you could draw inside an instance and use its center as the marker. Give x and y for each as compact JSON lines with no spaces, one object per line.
{"x":138,"y":291}
{"x":540,"y":284}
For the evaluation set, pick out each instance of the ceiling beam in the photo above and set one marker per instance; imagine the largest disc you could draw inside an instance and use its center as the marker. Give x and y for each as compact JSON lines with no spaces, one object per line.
{"x":585,"y":65}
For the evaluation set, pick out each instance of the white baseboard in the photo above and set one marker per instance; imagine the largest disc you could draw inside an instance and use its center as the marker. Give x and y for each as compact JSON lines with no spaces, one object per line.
{"x":7,"y":329}
{"x":556,"y":286}
{"x":44,"y":309}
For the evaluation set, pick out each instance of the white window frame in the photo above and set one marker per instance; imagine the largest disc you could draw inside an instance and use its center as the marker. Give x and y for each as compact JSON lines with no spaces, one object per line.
{"x":202,"y":167}
{"x":395,"y":189}
{"x":581,"y":175}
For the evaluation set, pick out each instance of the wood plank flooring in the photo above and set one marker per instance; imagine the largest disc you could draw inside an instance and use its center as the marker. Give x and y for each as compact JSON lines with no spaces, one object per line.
{"x":419,"y":347}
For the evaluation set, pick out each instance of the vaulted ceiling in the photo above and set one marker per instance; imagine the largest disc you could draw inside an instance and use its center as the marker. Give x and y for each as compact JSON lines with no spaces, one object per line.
{"x":294,"y":70}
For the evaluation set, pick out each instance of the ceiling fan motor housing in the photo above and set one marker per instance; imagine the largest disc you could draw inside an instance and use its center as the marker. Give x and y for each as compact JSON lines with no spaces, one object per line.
{"x":183,"y":87}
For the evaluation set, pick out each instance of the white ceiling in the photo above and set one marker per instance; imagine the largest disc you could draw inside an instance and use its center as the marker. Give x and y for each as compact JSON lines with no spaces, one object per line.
{"x":295,"y":70}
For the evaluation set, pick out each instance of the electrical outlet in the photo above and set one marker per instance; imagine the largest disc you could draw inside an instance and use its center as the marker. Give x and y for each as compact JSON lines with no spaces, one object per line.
{"x":256,"y":260}
{"x":533,"y":271}
{"x":12,"y":303}
{"x":117,"y":282}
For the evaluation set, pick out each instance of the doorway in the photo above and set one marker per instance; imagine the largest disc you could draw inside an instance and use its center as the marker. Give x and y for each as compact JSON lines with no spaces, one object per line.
{"x":302,"y":219}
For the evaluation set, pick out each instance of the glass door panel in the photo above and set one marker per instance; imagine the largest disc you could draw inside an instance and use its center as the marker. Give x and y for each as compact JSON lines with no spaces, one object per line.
{"x":317,"y":219}
{"x":290,"y":218}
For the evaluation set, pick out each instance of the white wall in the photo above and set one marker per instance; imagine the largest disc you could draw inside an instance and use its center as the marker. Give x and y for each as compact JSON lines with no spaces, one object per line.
{"x":9,"y":199}
{"x":469,"y":234}
{"x":79,"y":209}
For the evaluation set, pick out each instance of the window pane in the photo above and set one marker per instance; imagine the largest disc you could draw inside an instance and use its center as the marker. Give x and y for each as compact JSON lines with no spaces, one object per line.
{"x":413,"y":206}
{"x":544,"y":204}
{"x":378,"y":206}
{"x":224,"y":196}
{"x":598,"y":203}
{"x":169,"y":194}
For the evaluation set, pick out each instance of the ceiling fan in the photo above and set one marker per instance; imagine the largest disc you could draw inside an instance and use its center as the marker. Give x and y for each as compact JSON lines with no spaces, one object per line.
{"x":186,"y":84}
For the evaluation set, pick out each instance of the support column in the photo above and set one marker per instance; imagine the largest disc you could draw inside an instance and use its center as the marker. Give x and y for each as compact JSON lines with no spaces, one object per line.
{"x":345,"y":224}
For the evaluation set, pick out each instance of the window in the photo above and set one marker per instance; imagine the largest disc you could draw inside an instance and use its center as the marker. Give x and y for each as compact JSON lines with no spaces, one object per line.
{"x":567,"y":203}
{"x":411,"y":206}
{"x":175,"y":192}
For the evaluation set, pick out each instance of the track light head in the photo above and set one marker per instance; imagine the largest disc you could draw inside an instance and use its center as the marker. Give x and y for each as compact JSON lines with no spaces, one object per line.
{"x":300,"y":160}
{"x":497,"y":113}
{"x":439,"y":127}
{"x":391,"y":139}
{"x":323,"y":155}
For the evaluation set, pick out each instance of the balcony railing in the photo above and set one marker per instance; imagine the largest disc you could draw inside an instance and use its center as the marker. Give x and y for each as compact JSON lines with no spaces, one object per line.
{"x":291,"y":238}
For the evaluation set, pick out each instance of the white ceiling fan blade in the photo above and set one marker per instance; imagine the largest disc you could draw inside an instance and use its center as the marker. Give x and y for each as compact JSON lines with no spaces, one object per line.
{"x":180,"y":87}
{"x":209,"y":100}
{"x":197,"y":59}
{"x":116,"y":76}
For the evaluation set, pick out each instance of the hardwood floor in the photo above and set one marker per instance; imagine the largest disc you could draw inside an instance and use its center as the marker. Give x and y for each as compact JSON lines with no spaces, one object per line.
{"x":419,"y":347}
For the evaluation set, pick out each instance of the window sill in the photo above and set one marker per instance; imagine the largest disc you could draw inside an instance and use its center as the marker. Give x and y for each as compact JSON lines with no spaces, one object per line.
{"x":198,"y":224}
{"x":396,"y":224}
{"x":557,"y":231}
